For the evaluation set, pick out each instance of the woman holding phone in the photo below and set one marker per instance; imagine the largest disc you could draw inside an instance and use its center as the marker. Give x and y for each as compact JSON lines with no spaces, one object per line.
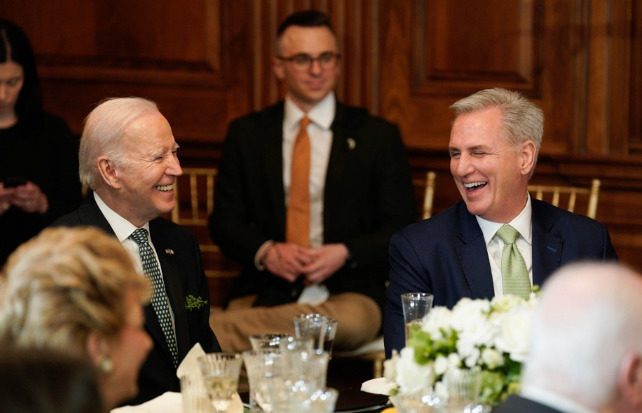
{"x":38,"y":153}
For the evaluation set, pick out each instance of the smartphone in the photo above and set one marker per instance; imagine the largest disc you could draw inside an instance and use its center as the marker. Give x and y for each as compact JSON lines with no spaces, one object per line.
{"x":13,"y":181}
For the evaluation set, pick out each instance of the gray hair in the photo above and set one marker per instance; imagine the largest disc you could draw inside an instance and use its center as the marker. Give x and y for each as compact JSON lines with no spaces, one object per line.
{"x":523,"y":120}
{"x":588,"y":318}
{"x":103,"y":132}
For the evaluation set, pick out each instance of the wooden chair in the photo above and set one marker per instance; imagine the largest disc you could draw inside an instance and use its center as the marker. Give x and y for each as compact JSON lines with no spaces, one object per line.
{"x":194,"y":195}
{"x":428,"y":185}
{"x":555,"y":193}
{"x":374,"y":351}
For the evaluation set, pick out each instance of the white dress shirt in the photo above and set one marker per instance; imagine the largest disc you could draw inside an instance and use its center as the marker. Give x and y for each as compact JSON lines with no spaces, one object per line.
{"x":495,"y":245}
{"x":123,"y":229}
{"x":321,"y":117}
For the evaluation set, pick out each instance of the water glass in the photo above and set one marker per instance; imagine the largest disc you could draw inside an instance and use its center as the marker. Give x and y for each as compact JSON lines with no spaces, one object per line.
{"x":330,"y":333}
{"x":265,"y":375}
{"x":306,"y":371}
{"x":311,"y":326}
{"x":266,"y":341}
{"x":296,"y":343}
{"x":463,"y":387}
{"x":221,"y":377}
{"x":194,"y":395}
{"x":415,"y":307}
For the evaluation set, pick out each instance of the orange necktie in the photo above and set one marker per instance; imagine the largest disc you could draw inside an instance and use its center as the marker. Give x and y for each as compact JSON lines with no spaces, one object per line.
{"x":297,"y":229}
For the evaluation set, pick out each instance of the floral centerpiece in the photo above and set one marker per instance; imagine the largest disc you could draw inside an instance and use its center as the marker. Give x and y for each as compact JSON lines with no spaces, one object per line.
{"x":491,"y":336}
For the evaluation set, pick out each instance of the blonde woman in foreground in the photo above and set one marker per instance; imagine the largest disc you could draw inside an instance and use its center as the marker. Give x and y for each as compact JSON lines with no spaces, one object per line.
{"x":77,"y":291}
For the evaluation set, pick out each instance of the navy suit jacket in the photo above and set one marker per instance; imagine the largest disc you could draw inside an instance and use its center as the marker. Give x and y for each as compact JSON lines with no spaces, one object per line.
{"x":447,"y":257}
{"x":368,"y":196}
{"x":518,"y":404}
{"x":180,"y":260}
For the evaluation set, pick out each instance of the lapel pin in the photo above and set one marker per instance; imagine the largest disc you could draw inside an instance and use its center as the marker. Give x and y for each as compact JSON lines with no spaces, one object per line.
{"x":169,"y":251}
{"x":351,"y":143}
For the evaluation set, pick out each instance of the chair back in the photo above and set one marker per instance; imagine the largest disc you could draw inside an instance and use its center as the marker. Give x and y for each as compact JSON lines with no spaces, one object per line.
{"x":427,"y":185}
{"x":555,"y":194}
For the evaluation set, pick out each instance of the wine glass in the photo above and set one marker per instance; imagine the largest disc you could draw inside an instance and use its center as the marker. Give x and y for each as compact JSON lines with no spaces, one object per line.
{"x":221,"y":377}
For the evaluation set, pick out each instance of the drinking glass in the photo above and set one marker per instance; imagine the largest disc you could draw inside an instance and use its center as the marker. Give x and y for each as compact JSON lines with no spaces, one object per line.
{"x":415,"y":307}
{"x":330,"y":333}
{"x":313,"y":326}
{"x":193,"y":394}
{"x":264,"y":341}
{"x":296,"y":343}
{"x":265,"y":376}
{"x":463,"y":388}
{"x":221,"y":377}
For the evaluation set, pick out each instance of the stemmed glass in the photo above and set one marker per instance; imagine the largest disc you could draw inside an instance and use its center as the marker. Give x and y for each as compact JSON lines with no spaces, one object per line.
{"x":221,"y":377}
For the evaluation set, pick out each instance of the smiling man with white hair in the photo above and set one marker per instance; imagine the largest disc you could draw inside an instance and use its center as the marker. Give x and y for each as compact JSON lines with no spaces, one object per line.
{"x":586,"y":344}
{"x":128,"y":158}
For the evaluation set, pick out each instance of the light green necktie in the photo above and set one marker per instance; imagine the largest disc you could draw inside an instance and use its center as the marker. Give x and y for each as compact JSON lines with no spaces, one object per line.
{"x":514,"y":271}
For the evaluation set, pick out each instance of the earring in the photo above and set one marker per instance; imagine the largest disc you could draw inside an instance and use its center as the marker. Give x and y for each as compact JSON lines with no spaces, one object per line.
{"x":105,"y":365}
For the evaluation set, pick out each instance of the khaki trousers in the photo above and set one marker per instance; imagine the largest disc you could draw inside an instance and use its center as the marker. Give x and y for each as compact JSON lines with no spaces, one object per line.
{"x":359,"y":320}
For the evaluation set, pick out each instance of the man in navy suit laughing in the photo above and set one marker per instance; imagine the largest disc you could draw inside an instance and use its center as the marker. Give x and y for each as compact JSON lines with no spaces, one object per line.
{"x":494,"y":143}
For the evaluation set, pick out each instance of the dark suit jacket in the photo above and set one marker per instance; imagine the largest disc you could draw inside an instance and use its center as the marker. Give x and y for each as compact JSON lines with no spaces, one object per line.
{"x":180,"y":260}
{"x":368,"y":196}
{"x":447,"y":257}
{"x":518,"y":404}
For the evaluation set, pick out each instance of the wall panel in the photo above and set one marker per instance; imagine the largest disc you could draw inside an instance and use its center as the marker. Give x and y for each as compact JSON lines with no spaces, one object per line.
{"x":207,"y":62}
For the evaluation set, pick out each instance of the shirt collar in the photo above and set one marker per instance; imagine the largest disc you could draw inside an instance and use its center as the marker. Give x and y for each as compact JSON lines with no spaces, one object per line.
{"x":521,"y":223}
{"x":321,"y":115}
{"x":121,"y":227}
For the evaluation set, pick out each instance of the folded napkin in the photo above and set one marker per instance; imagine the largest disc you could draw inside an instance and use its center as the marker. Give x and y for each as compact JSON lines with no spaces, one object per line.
{"x":171,"y":402}
{"x":380,"y":385}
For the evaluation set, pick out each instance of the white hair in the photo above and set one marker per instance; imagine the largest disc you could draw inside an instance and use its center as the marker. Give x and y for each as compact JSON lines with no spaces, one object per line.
{"x":588,"y":318}
{"x":103,"y":132}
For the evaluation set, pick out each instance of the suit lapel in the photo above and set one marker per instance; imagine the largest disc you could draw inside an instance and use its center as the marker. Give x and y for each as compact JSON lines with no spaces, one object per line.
{"x":174,"y":290}
{"x":547,"y":243}
{"x":473,"y":255}
{"x":339,"y":153}
{"x":273,"y":159}
{"x":90,"y":214}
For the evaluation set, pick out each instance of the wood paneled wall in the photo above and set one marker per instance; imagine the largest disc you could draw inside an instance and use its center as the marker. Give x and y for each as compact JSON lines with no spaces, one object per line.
{"x":207,"y":62}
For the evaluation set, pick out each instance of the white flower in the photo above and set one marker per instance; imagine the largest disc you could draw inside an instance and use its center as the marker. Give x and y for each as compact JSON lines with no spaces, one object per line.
{"x":411,"y":377}
{"x":441,"y":365}
{"x":454,"y":361}
{"x":514,"y":331}
{"x":492,"y":358}
{"x":437,"y":319}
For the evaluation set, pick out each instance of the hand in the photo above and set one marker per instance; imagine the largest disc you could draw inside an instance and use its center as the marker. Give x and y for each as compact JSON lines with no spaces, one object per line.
{"x":6,"y":198}
{"x":286,"y":260}
{"x":328,"y":259}
{"x":30,"y":198}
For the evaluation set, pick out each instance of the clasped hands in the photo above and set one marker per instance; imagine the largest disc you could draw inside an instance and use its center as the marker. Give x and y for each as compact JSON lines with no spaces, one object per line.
{"x":27,"y":197}
{"x":315,"y":265}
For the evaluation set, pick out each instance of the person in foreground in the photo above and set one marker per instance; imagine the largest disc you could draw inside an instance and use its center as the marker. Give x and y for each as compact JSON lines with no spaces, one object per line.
{"x":38,"y":153}
{"x":76,"y":291}
{"x":311,"y":239}
{"x":128,"y":158}
{"x":309,"y":192}
{"x":585,"y":350}
{"x":498,"y":240}
{"x":44,"y":381}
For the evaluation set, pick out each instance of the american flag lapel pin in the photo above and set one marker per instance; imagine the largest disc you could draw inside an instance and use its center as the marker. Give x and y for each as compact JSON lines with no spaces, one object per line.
{"x":351,"y":143}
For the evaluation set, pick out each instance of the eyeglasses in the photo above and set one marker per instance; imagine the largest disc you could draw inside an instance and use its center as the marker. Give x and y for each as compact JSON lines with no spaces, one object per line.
{"x":303,"y":61}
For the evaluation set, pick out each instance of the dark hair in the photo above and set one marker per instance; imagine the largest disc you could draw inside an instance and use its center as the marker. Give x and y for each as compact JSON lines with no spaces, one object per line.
{"x":15,"y":47}
{"x":305,"y":18}
{"x":39,"y":381}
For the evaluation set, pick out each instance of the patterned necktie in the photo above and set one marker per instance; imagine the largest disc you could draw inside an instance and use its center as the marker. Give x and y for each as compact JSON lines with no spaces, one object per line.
{"x":297,"y":229}
{"x":514,"y":272}
{"x":159,"y":297}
